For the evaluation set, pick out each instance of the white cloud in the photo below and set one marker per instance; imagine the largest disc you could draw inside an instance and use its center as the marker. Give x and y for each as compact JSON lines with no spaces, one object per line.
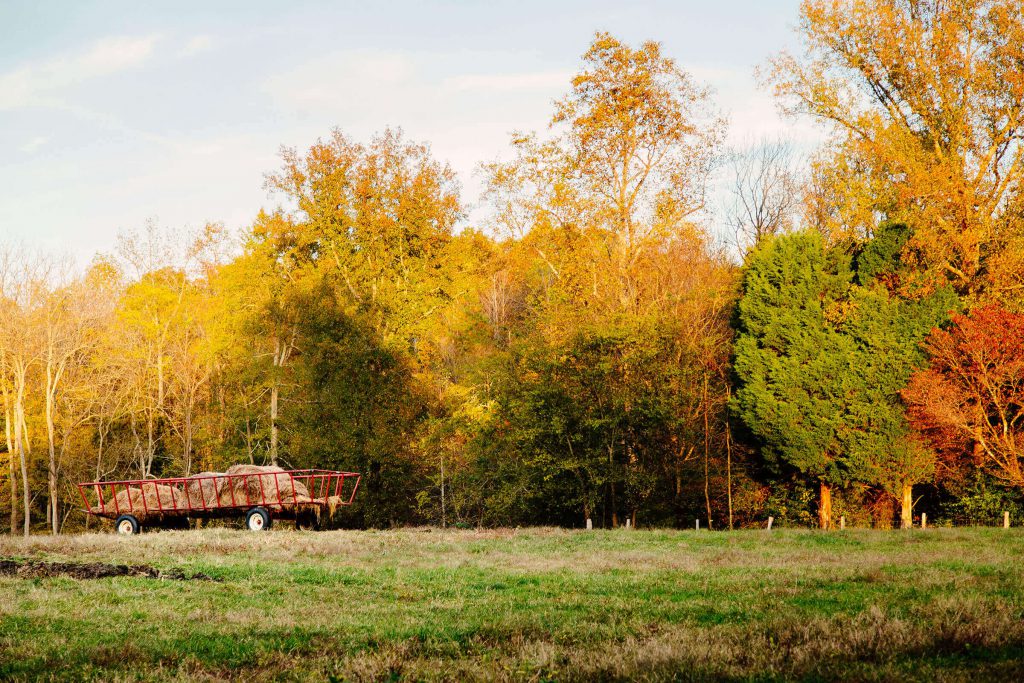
{"x":342,"y":80}
{"x":41,"y":83}
{"x":196,"y":45}
{"x":392,"y":80}
{"x":34,"y":144}
{"x":542,"y":80}
{"x":751,"y":110}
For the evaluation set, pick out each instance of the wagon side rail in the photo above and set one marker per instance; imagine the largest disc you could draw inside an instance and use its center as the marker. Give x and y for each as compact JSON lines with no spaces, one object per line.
{"x":230,"y":492}
{"x":324,"y":484}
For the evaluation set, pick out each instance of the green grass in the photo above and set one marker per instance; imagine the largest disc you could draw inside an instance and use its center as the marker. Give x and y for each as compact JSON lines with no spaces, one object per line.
{"x":539,"y":604}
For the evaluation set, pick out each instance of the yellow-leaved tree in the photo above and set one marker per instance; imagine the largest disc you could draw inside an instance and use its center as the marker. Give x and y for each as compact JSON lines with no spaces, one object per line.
{"x":620,"y":280}
{"x":925,"y":99}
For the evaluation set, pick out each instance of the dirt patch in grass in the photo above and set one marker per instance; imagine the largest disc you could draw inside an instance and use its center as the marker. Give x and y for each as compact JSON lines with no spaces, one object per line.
{"x":35,"y":569}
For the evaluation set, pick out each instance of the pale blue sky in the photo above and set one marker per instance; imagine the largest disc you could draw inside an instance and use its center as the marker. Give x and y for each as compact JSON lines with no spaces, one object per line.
{"x":112,"y":113}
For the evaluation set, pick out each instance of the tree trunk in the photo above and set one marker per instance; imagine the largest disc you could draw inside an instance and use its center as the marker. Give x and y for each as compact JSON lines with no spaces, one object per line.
{"x":160,"y":379}
{"x":728,"y":468}
{"x":707,"y":454}
{"x":150,"y":444}
{"x":825,"y":507}
{"x":611,"y":489}
{"x":19,"y":438}
{"x":51,"y":510}
{"x":223,"y":418}
{"x":614,"y":510}
{"x":273,"y":424}
{"x":11,"y":454}
{"x":282,"y":351}
{"x":248,"y":439}
{"x":907,"y":508}
{"x":186,"y":441}
{"x":10,"y":460}
{"x":137,"y":445}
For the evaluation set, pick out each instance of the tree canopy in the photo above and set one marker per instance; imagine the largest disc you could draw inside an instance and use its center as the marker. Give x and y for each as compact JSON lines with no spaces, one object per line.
{"x":596,"y":344}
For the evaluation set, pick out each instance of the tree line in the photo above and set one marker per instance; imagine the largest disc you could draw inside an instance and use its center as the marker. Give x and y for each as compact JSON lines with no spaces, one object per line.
{"x":613,"y":341}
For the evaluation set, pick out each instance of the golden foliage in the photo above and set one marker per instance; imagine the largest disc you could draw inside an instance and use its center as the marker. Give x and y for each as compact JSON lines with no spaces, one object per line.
{"x":926,"y":100}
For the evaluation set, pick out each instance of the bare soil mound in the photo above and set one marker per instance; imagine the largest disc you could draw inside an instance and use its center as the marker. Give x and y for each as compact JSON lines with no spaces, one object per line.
{"x":33,"y":569}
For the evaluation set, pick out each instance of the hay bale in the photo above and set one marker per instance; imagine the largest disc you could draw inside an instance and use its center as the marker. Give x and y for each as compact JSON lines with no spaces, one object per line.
{"x":202,"y":490}
{"x":333,"y":503}
{"x":261,"y":485}
{"x":151,"y":500}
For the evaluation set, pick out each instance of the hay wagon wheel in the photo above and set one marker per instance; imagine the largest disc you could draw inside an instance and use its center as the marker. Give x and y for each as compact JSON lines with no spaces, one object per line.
{"x":127,"y":525}
{"x":307,"y":521}
{"x":257,"y":519}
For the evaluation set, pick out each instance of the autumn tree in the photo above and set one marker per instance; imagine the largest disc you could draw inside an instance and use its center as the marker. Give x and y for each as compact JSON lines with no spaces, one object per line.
{"x":70,"y":319}
{"x":641,"y":135}
{"x":357,"y":257}
{"x":614,"y":267}
{"x":926,"y":103}
{"x":24,"y":285}
{"x":968,"y":402}
{"x":628,"y":166}
{"x":376,"y":217}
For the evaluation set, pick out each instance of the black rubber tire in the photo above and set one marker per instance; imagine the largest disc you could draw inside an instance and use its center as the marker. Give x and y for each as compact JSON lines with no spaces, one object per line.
{"x":127,"y":525}
{"x":307,"y":521}
{"x":257,"y":519}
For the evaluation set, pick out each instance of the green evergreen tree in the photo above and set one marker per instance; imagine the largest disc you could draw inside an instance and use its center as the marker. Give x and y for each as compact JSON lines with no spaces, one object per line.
{"x":823,"y":349}
{"x":791,"y":361}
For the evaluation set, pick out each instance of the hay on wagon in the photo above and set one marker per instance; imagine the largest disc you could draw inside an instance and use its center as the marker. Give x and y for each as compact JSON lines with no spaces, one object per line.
{"x":150,"y":500}
{"x":262,"y":485}
{"x":202,"y":490}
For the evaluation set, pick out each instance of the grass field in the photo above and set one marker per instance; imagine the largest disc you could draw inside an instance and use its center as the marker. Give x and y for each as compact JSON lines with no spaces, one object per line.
{"x":538,"y":604}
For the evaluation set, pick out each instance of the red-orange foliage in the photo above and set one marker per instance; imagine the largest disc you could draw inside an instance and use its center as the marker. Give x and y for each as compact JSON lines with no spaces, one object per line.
{"x":969,"y":402}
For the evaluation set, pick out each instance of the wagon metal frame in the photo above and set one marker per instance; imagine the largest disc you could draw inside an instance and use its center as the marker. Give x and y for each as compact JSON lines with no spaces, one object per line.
{"x":327,"y":489}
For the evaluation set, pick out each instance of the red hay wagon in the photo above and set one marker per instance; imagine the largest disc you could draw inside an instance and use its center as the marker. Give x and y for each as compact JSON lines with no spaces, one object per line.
{"x":260,"y":494}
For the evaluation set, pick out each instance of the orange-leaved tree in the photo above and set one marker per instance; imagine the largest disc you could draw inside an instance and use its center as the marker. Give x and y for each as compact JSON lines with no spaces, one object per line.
{"x":969,"y":402}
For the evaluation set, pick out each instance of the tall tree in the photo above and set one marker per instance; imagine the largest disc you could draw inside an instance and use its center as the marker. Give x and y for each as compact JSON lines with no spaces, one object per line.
{"x":926,"y":100}
{"x":617,"y":269}
{"x":790,"y":360}
{"x":641,"y":136}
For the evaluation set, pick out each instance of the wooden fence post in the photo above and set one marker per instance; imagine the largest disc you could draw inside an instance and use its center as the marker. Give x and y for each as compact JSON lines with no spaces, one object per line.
{"x":924,"y":520}
{"x":770,"y":520}
{"x":1006,"y":519}
{"x":590,"y":524}
{"x":842,"y":522}
{"x":697,"y":524}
